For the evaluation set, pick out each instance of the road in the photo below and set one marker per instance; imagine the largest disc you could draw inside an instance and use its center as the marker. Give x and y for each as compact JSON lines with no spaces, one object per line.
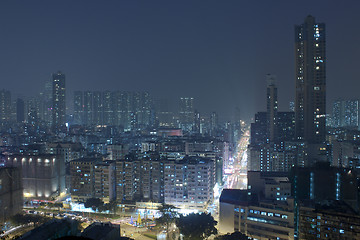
{"x":238,"y":178}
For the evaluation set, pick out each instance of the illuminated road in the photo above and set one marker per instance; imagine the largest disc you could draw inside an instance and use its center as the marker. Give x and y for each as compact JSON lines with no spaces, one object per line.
{"x":238,"y":165}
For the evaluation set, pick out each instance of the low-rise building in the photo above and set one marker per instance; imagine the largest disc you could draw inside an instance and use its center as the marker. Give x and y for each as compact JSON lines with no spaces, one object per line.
{"x":43,"y":175}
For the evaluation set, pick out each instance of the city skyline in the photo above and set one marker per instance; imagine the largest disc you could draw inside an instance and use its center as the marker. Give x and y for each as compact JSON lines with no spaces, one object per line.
{"x":155,"y":119}
{"x":218,"y":53}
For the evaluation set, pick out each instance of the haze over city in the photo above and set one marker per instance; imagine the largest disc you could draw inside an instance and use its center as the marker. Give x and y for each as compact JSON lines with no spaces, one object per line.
{"x":216,"y":52}
{"x":138,"y":120}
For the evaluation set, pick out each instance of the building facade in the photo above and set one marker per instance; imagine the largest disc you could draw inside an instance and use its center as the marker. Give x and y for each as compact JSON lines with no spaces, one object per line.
{"x":328,"y":220}
{"x":43,"y":175}
{"x":189,"y":183}
{"x":82,"y":173}
{"x":310,"y":81}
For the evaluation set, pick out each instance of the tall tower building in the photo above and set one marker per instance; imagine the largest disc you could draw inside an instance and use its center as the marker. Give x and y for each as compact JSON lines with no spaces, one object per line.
{"x":78,"y":107}
{"x":187,"y":113}
{"x":48,"y":102}
{"x":97,"y":108}
{"x":346,"y":113}
{"x":88,"y":108}
{"x":310,"y":81}
{"x":20,"y":110}
{"x":214,"y":121}
{"x":58,"y":99}
{"x":5,"y":106}
{"x":108,"y":108}
{"x":272,"y":107}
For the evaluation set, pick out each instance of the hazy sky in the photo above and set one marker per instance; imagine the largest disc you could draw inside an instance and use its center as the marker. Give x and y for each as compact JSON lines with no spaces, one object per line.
{"x":215,"y":51}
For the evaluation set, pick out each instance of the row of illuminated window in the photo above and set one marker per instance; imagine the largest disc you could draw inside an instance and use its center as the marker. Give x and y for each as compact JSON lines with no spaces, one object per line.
{"x":269,"y":214}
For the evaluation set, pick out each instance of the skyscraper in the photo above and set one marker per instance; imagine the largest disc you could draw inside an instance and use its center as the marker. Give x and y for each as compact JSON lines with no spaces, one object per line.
{"x":78,"y":107}
{"x":20,"y":110}
{"x":97,"y":108}
{"x":5,"y":106}
{"x":272,"y":106}
{"x":186,"y":114}
{"x":58,"y":99}
{"x":108,"y":108}
{"x":48,"y":102}
{"x":310,"y":81}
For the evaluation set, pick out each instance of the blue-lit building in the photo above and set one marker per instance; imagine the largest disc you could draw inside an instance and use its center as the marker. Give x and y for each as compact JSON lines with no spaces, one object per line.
{"x":331,"y":219}
{"x":240,"y":210}
{"x":322,"y":183}
{"x":346,"y":113}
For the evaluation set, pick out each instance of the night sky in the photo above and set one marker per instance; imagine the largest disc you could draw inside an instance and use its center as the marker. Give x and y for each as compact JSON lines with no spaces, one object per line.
{"x":215,"y":51}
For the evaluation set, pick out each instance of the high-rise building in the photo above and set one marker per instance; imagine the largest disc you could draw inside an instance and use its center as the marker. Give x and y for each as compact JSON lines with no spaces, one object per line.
{"x":333,"y":220}
{"x":5,"y":105}
{"x":186,"y":113}
{"x":82,"y":173}
{"x":34,"y":110}
{"x":20,"y":110}
{"x":108,"y":108}
{"x":78,"y":107}
{"x":127,"y":109}
{"x":310,"y":81}
{"x":197,"y":123}
{"x":258,"y":133}
{"x":214,"y":121}
{"x":247,"y":212}
{"x":272,"y":106}
{"x":140,"y":178}
{"x":285,"y":126}
{"x":97,"y":108}
{"x":141,"y":106}
{"x":292,"y":106}
{"x":58,"y":99}
{"x":47,"y":98}
{"x":188,"y":183}
{"x":104,"y":181}
{"x":346,"y":113}
{"x":88,"y":108}
{"x":164,"y":115}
